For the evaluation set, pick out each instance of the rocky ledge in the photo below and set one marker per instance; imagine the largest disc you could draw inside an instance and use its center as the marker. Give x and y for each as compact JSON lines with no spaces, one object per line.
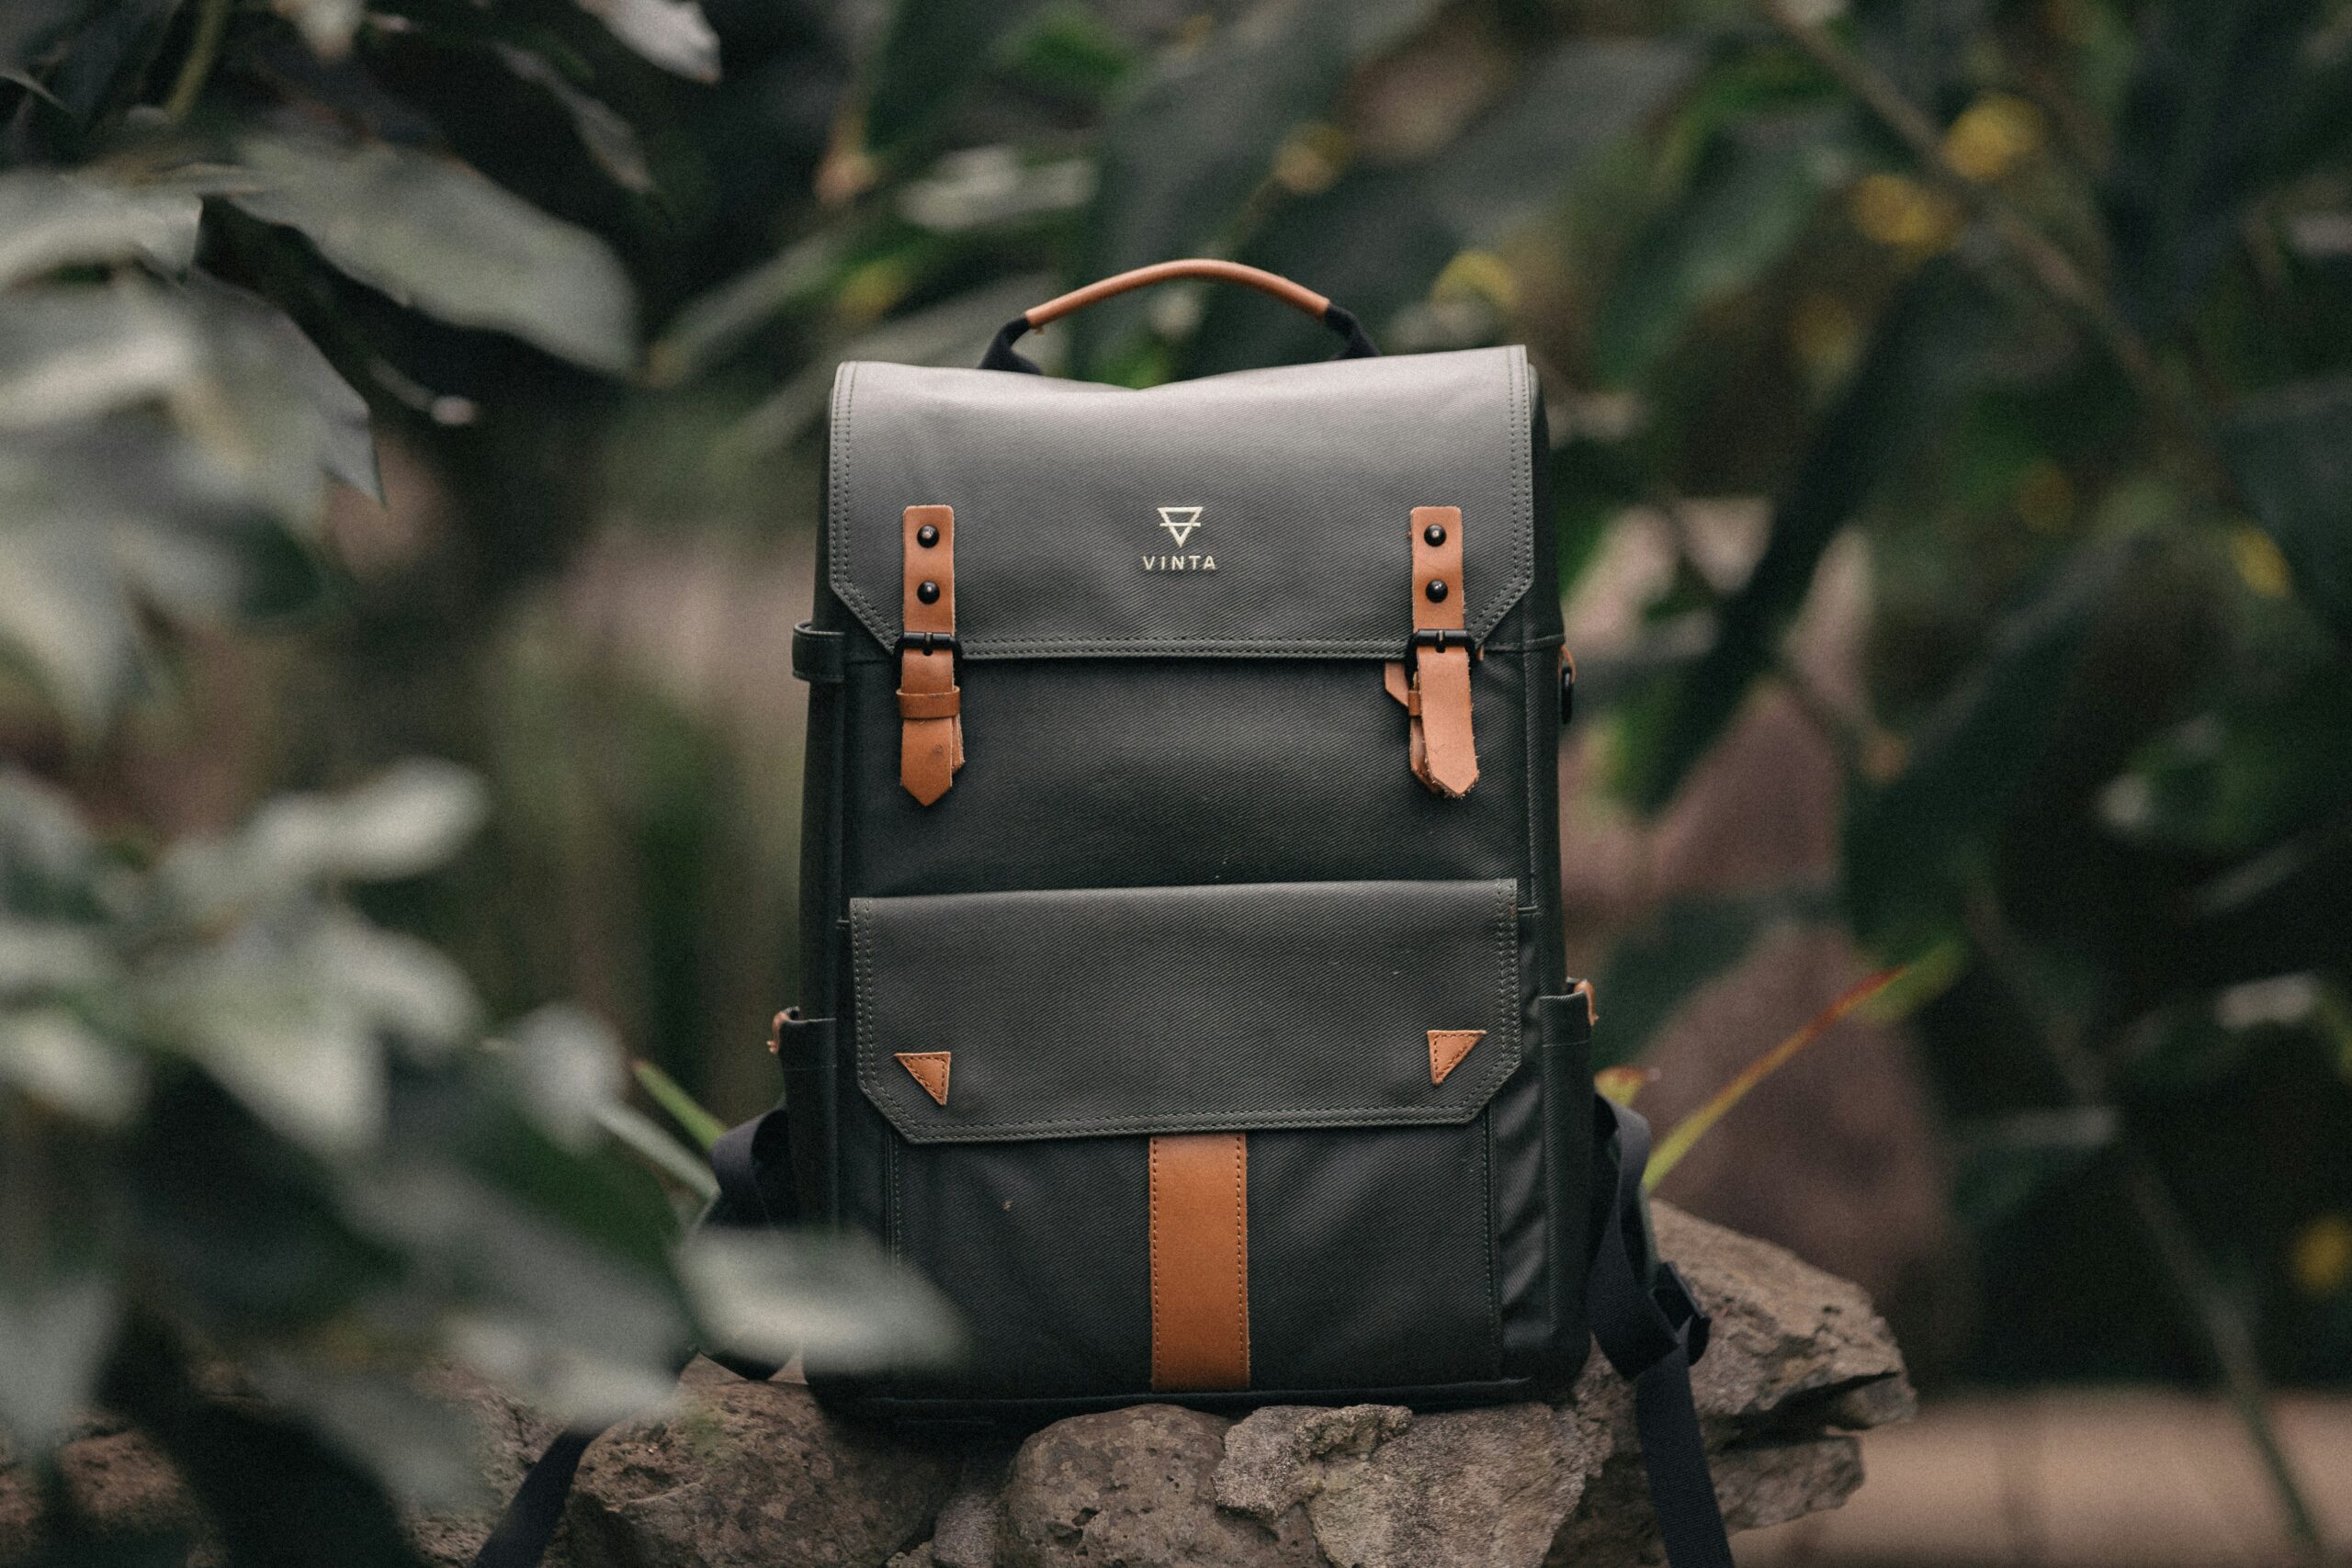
{"x":753,"y":1475}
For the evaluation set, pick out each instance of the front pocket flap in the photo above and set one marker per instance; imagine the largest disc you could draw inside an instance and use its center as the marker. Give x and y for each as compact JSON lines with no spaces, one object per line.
{"x":1054,"y":1015}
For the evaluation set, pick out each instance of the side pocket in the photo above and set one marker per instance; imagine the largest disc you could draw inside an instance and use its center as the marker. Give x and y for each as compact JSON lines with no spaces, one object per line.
{"x":805,"y":1058}
{"x":1562,"y":1028}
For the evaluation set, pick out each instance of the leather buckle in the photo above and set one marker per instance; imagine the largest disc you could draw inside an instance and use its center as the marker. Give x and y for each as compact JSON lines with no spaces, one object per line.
{"x":1437,"y":639}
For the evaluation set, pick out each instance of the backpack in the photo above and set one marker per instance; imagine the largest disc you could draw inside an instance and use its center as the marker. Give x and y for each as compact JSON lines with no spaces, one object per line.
{"x":1185,"y":993}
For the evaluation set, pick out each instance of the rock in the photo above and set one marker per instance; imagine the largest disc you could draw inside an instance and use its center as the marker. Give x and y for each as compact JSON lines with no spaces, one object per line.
{"x":1132,"y":1488}
{"x":739,"y":1469}
{"x":749,"y":1476}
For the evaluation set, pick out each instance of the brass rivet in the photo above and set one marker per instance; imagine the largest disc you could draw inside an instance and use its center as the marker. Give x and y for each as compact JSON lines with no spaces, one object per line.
{"x":1433,"y":536}
{"x":1436,"y":591}
{"x":927,"y":535}
{"x":928,"y":593}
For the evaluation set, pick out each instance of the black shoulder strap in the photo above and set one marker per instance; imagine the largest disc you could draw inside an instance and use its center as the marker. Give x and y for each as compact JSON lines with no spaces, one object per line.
{"x":1651,"y":1330}
{"x":753,"y":1164}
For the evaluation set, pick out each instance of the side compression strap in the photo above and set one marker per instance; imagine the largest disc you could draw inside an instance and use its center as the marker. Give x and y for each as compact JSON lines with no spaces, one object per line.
{"x":738,"y":1159}
{"x":1651,"y":1330}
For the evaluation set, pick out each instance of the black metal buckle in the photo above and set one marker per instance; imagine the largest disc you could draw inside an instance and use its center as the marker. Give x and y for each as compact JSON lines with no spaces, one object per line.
{"x":930,"y":642}
{"x":1438,"y":638}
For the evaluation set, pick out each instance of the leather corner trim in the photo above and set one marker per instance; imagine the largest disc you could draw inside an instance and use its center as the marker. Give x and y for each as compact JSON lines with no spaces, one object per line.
{"x":1447,"y":1048}
{"x":927,"y":1068}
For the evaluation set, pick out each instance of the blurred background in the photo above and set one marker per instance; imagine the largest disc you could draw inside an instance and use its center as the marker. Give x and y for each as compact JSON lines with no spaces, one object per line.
{"x":410,"y":427}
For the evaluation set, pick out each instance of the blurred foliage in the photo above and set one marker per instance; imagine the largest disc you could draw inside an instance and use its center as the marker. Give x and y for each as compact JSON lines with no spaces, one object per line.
{"x":2042,"y":304}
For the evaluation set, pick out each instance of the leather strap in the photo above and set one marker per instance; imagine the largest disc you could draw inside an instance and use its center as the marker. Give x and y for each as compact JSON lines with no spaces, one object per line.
{"x":1444,"y":754}
{"x":1001,"y":355}
{"x":1200,"y":1262}
{"x":931,"y":724}
{"x":816,"y":656}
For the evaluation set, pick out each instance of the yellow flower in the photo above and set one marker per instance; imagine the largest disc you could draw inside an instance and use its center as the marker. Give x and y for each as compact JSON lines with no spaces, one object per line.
{"x":1480,"y":275}
{"x":1994,"y":135}
{"x":1904,"y":214}
{"x":2260,"y":566}
{"x":1310,"y":159}
{"x":2321,"y":1256}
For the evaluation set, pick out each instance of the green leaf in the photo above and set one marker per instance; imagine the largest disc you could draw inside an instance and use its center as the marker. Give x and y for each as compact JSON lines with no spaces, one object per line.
{"x":609,"y":139}
{"x":437,"y":236}
{"x":294,"y":410}
{"x":671,"y":1095}
{"x":1925,"y":353}
{"x":636,"y":1132}
{"x":407,"y":820}
{"x":1193,"y":140}
{"x":673,"y":34}
{"x":50,"y":221}
{"x":1914,"y":848}
{"x":933,"y":51}
{"x":70,"y":353}
{"x":836,"y":1298}
{"x":2211,"y":98}
{"x":1751,"y":196}
{"x":567,"y":1069}
{"x":2291,"y":451}
{"x":51,"y":1057}
{"x":1379,"y":237}
{"x":55,"y":1327}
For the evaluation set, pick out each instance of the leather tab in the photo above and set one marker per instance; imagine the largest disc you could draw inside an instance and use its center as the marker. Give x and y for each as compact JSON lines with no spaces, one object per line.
{"x":1447,"y":1048}
{"x":1444,"y":754}
{"x":928,"y":1068}
{"x":931,"y":729}
{"x":1200,"y":1262}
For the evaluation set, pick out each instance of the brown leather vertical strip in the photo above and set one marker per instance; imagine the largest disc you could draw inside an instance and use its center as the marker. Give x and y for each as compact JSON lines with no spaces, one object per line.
{"x":931,"y":722}
{"x":1200,"y":1261}
{"x":1445,"y":755}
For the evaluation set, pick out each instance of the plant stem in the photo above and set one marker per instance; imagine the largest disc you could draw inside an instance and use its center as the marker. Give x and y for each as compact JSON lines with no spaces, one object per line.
{"x":203,"y":53}
{"x":2228,"y":1342}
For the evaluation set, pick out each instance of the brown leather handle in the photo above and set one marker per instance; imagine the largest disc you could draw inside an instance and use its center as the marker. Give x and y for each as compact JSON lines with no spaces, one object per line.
{"x":1297,"y":296}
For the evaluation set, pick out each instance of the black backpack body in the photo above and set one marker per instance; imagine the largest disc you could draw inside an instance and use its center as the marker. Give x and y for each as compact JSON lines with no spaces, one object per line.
{"x":1187,"y":898}
{"x":1184,"y":993}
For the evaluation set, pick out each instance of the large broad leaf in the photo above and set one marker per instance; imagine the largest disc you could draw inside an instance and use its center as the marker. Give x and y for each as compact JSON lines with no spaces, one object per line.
{"x":69,"y":352}
{"x":1914,"y":848}
{"x":1750,"y":198}
{"x":1926,"y":353}
{"x":437,"y":236}
{"x":2292,"y":453}
{"x":2212,"y":95}
{"x":49,"y":221}
{"x":1379,"y":237}
{"x":673,"y":34}
{"x":295,"y":414}
{"x":1194,"y":139}
{"x":840,"y":1298}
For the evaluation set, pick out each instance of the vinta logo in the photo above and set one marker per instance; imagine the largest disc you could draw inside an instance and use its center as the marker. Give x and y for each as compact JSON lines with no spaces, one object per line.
{"x":1180,"y":522}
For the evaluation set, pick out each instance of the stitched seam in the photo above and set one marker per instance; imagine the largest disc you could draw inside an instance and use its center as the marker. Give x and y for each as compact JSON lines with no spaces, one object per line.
{"x":1387,"y":651}
{"x":1197,"y":1121}
{"x":1487,"y":1194}
{"x":1154,"y":1183}
{"x":844,"y":583}
{"x":1528,"y":752}
{"x":1241,"y":1248}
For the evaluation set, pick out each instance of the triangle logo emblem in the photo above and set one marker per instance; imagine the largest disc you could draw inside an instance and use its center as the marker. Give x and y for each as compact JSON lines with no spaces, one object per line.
{"x":1180,"y":522}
